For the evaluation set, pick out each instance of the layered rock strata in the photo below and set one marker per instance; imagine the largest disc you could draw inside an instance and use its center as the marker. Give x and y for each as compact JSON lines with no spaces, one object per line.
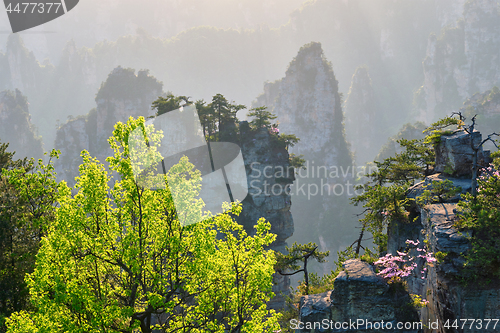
{"x":361,"y":301}
{"x":307,"y":104}
{"x":269,"y":177}
{"x":448,"y":299}
{"x":355,"y":290}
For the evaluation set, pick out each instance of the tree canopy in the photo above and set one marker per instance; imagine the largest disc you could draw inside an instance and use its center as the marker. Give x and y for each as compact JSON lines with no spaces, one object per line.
{"x":117,"y":259}
{"x":27,"y":197}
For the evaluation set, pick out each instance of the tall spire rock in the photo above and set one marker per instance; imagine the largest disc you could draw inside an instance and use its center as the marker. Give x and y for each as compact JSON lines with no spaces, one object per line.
{"x":124,"y":94}
{"x":363,"y":117}
{"x":19,"y":69}
{"x":461,"y":61}
{"x":16,"y":127}
{"x":307,"y":104}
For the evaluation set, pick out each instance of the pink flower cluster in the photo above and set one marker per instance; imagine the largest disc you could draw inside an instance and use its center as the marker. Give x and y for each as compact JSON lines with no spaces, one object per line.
{"x":402,"y":265}
{"x":487,"y":174}
{"x":275,"y":130}
{"x":392,"y":263}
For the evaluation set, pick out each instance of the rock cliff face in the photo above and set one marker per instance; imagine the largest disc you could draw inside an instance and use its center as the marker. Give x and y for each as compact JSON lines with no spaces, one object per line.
{"x":449,"y":300}
{"x":461,"y":61}
{"x":307,"y":103}
{"x":449,"y":11}
{"x":269,"y":178}
{"x":124,"y":94}
{"x":361,"y":301}
{"x":20,"y":70}
{"x":16,"y":127}
{"x":358,"y":293}
{"x":364,"y":120}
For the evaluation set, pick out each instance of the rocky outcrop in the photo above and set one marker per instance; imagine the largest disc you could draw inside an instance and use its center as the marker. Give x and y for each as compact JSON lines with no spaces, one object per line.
{"x":123,"y":95}
{"x":20,"y":70}
{"x":449,"y":299}
{"x":418,"y":189}
{"x":361,"y":301}
{"x":16,"y":127}
{"x":269,"y":177}
{"x":307,"y":103}
{"x":435,"y":226}
{"x":449,"y":11}
{"x":461,"y":61}
{"x":364,"y":120}
{"x":454,"y":153}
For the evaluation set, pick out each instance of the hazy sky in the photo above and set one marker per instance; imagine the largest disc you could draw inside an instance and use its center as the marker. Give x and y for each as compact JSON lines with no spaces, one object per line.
{"x":96,"y":20}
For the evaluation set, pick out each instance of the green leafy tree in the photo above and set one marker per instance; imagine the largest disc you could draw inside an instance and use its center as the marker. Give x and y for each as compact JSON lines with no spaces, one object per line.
{"x":27,"y":197}
{"x":118,"y":259}
{"x":440,"y":128}
{"x":287,"y":140}
{"x":438,"y":191}
{"x":297,"y":161}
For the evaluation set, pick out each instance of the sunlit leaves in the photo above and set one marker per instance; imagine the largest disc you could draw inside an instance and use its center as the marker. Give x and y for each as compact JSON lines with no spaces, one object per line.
{"x":116,"y":258}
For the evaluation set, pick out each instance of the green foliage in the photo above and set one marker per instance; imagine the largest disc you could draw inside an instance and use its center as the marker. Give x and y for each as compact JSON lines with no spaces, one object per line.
{"x":297,"y":161}
{"x":28,"y":192}
{"x":170,"y":103}
{"x":263,"y":120}
{"x":383,"y":204}
{"x":384,"y":195}
{"x":417,"y":302}
{"x":218,"y":118}
{"x":114,"y":258}
{"x":438,"y":191}
{"x":369,"y":256}
{"x":287,"y":140}
{"x":440,"y":256}
{"x":481,"y":215}
{"x":299,"y":253}
{"x":225,"y":114}
{"x":262,"y":117}
{"x":438,"y":129}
